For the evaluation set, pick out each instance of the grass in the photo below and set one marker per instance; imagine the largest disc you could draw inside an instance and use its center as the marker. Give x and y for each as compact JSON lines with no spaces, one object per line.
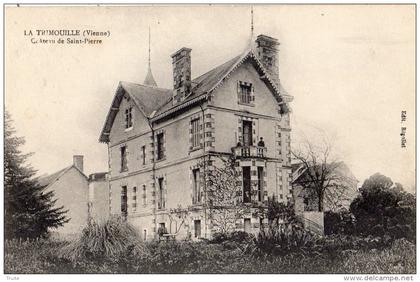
{"x":188,"y":257}
{"x":115,"y":247}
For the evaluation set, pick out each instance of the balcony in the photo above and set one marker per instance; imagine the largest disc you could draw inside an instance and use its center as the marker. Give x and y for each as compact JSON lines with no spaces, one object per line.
{"x":249,"y":151}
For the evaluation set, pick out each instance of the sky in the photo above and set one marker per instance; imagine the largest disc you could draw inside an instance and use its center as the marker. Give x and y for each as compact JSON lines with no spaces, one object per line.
{"x":350,"y":68}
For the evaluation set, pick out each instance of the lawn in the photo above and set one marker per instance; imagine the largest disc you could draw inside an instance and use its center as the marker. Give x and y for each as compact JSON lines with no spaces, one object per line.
{"x":46,"y":256}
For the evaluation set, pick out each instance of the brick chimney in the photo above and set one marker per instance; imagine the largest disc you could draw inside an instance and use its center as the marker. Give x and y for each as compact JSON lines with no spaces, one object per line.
{"x":78,"y":162}
{"x":181,"y":64}
{"x":267,"y":52}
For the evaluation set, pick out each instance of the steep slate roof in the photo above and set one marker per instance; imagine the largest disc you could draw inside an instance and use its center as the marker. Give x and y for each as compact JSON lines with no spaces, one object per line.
{"x":50,"y":179}
{"x":157,"y":102}
{"x":146,"y":98}
{"x":206,"y":83}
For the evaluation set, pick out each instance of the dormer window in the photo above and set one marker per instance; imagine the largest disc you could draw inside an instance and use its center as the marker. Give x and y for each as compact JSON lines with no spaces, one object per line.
{"x":129,"y":118}
{"x":245,"y":93}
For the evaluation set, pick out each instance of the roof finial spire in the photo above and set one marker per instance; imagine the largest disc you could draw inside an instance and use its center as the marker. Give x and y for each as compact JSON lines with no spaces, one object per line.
{"x":252,"y":22}
{"x":149,"y":46}
{"x":250,"y":44}
{"x":149,"y":80}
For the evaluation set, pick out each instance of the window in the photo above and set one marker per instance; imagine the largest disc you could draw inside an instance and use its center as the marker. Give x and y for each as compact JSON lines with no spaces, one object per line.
{"x":134,"y":204}
{"x":247,"y":132}
{"x":124,"y":207}
{"x":144,"y":234}
{"x":260,"y":183}
{"x":197,"y":228}
{"x":162,"y":229}
{"x":161,"y":199}
{"x":143,"y":154}
{"x":247,"y":225}
{"x":196,"y":186}
{"x":144,"y":195}
{"x":124,"y":158}
{"x":195,"y":132}
{"x":246,"y":180}
{"x":245,"y":92}
{"x":160,"y":153}
{"x":129,"y":117}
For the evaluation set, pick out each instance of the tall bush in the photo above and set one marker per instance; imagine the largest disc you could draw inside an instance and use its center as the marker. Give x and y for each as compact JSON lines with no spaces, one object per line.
{"x":341,"y":222}
{"x":284,"y":234}
{"x":110,"y":240}
{"x":384,"y":209}
{"x":283,"y":240}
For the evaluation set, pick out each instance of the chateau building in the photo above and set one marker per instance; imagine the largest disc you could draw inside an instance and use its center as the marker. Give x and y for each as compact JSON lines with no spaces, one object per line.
{"x":157,"y":138}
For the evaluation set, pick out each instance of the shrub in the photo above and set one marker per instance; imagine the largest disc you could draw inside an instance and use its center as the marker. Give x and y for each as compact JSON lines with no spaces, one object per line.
{"x":341,"y":222}
{"x":282,"y":240}
{"x":110,"y":240}
{"x":236,"y":236}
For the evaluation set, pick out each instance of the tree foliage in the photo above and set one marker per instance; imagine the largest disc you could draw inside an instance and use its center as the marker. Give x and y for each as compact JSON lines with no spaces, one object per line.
{"x":383,"y":208}
{"x":28,"y":209}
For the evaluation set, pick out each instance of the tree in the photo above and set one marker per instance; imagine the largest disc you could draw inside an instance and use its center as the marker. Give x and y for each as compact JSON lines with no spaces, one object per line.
{"x":224,"y":196}
{"x":324,"y":178}
{"x":28,"y":209}
{"x":384,"y":208}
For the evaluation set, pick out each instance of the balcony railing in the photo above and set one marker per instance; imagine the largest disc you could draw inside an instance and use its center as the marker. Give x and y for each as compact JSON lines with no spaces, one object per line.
{"x":250,"y":151}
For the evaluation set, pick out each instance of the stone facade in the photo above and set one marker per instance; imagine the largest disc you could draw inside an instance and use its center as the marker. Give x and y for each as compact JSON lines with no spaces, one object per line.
{"x":154,"y":164}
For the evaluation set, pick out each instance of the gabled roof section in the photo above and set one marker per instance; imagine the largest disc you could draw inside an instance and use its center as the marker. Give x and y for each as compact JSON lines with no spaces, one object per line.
{"x":156,"y":103}
{"x":48,"y":180}
{"x":276,"y":88}
{"x":208,"y":82}
{"x":147,"y":99}
{"x":201,"y":85}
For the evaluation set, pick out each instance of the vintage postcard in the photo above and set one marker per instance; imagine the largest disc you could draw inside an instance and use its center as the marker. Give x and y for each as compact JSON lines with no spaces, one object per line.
{"x":210,"y":139}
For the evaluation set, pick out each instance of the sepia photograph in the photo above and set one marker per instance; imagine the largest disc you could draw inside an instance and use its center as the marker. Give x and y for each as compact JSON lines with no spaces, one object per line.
{"x":210,"y":139}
